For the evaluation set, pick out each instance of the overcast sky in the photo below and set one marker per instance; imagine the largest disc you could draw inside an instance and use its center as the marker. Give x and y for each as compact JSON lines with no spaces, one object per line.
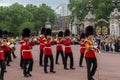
{"x":52,"y":3}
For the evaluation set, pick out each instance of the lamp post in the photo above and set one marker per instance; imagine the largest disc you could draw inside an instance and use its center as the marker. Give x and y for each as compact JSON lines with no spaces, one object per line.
{"x":116,"y":3}
{"x":89,"y":18}
{"x":89,"y":6}
{"x":48,"y":25}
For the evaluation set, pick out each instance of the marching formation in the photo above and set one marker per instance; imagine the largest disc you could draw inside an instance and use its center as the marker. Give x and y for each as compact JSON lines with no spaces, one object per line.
{"x":88,"y":49}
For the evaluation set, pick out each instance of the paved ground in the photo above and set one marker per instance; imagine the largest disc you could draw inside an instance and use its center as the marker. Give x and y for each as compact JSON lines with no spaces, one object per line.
{"x":108,"y":68}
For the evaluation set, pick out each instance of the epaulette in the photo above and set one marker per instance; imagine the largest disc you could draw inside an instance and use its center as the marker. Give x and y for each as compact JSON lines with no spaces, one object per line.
{"x":86,"y":40}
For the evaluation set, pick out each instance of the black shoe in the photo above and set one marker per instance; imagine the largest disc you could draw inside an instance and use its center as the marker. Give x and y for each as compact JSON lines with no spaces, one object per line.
{"x":46,"y":72}
{"x":5,"y":71}
{"x":57,"y":63}
{"x":92,"y":78}
{"x":15,"y":57}
{"x":81,"y":66}
{"x":8,"y":65}
{"x":72,"y":68}
{"x":29,"y":74}
{"x":26,"y":75}
{"x":41,"y":65}
{"x":66,"y":69}
{"x":11,"y":60}
{"x":53,"y":71}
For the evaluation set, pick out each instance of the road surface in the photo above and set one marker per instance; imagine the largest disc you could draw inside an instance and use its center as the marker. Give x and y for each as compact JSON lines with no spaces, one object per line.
{"x":108,"y":67}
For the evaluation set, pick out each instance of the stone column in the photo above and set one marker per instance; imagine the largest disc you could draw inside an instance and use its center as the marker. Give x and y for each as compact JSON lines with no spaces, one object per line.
{"x":115,"y":23}
{"x":74,"y":26}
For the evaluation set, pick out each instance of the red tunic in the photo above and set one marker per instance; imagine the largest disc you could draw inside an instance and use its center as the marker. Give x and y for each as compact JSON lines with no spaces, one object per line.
{"x":2,"y":54}
{"x":82,"y":49}
{"x":6,"y":48}
{"x":41,"y":41}
{"x":90,"y":53}
{"x":67,"y":44}
{"x":59,"y":45}
{"x":47,"y":48}
{"x":32,"y":43}
{"x":26,"y":51}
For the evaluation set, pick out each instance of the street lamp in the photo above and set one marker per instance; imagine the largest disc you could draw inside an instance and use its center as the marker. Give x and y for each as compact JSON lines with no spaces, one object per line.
{"x":89,"y":6}
{"x":48,"y":25}
{"x":116,"y":3}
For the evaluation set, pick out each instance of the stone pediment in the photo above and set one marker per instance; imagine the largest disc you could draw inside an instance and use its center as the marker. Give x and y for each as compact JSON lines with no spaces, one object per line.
{"x":115,"y":14}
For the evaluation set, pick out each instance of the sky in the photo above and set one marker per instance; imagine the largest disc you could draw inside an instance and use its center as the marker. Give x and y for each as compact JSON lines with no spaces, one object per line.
{"x":52,"y":3}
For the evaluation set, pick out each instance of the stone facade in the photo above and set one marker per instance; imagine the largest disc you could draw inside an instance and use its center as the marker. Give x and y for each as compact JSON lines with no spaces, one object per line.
{"x":115,"y":23}
{"x":89,"y":20}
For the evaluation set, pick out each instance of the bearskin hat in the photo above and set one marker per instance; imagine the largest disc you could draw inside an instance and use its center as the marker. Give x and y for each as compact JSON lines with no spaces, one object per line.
{"x":48,"y":32}
{"x":89,"y":31}
{"x":5,"y":34}
{"x":60,"y":34}
{"x":26,"y":32}
{"x":10,"y":34}
{"x":67,"y":33}
{"x":43,"y":30}
{"x":1,"y":33}
{"x":82,"y":36}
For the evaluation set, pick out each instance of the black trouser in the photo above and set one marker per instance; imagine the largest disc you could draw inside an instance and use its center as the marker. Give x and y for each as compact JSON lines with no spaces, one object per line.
{"x":29,"y":63}
{"x":70,"y":55}
{"x":21,"y":61}
{"x":81,"y":59}
{"x":13,"y":54}
{"x":46,"y":57}
{"x":41,"y":57}
{"x":91,"y":67}
{"x":3,"y":67}
{"x":7,"y":57}
{"x":62,"y":55}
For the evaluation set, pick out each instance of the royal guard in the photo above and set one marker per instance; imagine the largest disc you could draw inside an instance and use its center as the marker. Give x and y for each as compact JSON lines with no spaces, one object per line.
{"x":82,"y":48}
{"x":41,"y":42}
{"x":90,"y":57}
{"x":27,"y":56}
{"x":7,"y":49}
{"x":59,"y":48}
{"x":12,"y":45}
{"x":48,"y":52}
{"x":21,"y":41}
{"x":2,"y":58}
{"x":68,"y":50}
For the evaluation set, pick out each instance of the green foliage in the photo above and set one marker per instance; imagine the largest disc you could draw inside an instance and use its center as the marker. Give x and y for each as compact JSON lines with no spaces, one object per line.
{"x":102,"y":8}
{"x":16,"y":17}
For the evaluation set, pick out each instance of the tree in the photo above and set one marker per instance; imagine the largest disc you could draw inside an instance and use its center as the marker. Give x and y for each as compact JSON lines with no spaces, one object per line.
{"x":16,"y":17}
{"x":102,"y":8}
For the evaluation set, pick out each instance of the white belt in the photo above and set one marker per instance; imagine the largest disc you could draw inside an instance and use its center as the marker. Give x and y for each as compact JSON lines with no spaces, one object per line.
{"x":47,"y":47}
{"x":41,"y":44}
{"x":26,"y":51}
{"x":67,"y":46}
{"x":59,"y":44}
